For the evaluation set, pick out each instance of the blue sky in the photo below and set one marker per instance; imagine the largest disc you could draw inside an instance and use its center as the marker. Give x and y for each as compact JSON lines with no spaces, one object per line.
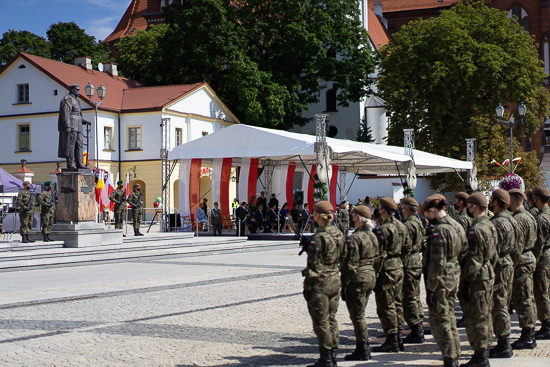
{"x":97,"y":17}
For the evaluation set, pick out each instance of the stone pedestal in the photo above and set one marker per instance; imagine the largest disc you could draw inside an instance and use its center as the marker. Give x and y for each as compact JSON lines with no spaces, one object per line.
{"x":86,"y":234}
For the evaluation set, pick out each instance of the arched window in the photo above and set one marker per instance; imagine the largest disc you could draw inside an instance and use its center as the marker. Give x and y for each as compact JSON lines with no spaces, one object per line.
{"x":521,"y":15}
{"x":331,"y":100}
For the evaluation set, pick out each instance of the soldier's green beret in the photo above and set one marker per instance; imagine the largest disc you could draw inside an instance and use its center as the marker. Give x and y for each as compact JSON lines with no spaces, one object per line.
{"x":47,"y":183}
{"x":388,"y":203}
{"x":502,"y":195}
{"x":323,"y":207}
{"x":462,"y":196}
{"x":410,"y":201}
{"x":119,"y":182}
{"x":478,"y":199}
{"x":517,"y":192}
{"x":362,"y":210}
{"x":541,"y":191}
{"x":432,"y":201}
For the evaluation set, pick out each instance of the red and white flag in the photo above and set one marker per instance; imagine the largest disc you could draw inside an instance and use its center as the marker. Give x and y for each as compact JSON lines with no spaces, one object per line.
{"x":107,"y":190}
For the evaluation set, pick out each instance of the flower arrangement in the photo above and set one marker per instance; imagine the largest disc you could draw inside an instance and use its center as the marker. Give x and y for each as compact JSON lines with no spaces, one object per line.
{"x":407,"y":191}
{"x":512,"y":181}
{"x":320,"y":189}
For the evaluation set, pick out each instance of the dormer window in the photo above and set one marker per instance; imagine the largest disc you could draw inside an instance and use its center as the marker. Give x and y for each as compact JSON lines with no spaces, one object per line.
{"x":22,"y":93}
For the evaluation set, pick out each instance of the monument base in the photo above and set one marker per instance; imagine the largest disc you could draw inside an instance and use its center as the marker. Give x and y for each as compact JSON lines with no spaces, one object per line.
{"x":82,"y":234}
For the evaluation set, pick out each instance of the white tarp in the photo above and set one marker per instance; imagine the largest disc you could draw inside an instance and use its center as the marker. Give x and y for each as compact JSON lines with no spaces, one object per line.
{"x":244,"y":141}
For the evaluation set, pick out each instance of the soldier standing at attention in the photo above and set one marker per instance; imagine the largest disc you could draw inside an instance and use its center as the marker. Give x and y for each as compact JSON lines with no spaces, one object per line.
{"x":533,"y":210}
{"x":412,"y":271}
{"x":26,"y":211}
{"x":136,"y":202}
{"x":541,"y":196}
{"x":506,"y":227}
{"x":322,"y":282}
{"x":442,"y":277}
{"x":465,"y":221}
{"x":343,"y":218}
{"x":478,"y":278}
{"x":359,"y":278}
{"x":119,"y":197}
{"x":47,"y":210}
{"x":389,"y":284}
{"x":525,"y":263}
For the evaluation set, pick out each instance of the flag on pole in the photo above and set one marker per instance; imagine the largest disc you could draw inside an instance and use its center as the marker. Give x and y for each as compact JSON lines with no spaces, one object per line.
{"x":112,"y":203}
{"x":108,"y":188}
{"x":127,"y":186}
{"x":98,"y":190}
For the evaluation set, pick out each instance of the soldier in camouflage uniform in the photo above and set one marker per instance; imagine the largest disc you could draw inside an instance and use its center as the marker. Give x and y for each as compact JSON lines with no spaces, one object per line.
{"x":412,"y":270}
{"x":389,"y":283}
{"x":541,"y":196}
{"x":465,"y":221}
{"x":525,"y":264}
{"x":343,"y":218}
{"x":442,"y":277}
{"x":359,"y":278}
{"x":26,"y":211}
{"x":322,"y":281}
{"x":47,"y":210}
{"x":478,"y":280}
{"x":118,"y":196}
{"x":136,"y":203}
{"x":533,"y":210}
{"x":506,"y":227}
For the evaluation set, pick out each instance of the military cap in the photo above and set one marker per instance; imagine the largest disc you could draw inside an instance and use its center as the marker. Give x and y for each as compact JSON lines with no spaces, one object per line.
{"x":343,"y":202}
{"x":119,"y":182}
{"x":502,"y":196}
{"x":431,"y":202}
{"x":47,"y":183}
{"x":388,"y":203}
{"x":462,"y":196}
{"x":541,"y":191}
{"x":478,"y":199}
{"x":362,"y":210}
{"x":410,"y":201}
{"x":517,"y":192}
{"x":323,"y":207}
{"x":26,"y":183}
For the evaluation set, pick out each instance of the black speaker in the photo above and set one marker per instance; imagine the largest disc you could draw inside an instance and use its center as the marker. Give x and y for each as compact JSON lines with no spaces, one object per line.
{"x":298,"y":198}
{"x":175,"y":221}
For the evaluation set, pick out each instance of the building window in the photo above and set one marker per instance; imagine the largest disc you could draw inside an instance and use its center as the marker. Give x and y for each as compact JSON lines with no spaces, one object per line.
{"x":22,"y":93}
{"x":331,"y":101}
{"x":521,"y":16}
{"x":24,"y":132}
{"x":108,"y":138}
{"x":179,"y":133}
{"x":134,"y":138}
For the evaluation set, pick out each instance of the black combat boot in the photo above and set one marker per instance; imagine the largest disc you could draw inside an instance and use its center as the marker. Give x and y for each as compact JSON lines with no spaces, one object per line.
{"x":51,"y":239}
{"x":24,"y":238}
{"x":325,"y":360}
{"x":544,"y":332}
{"x":479,"y":359}
{"x":361,"y":353}
{"x":139,"y":233}
{"x":390,"y":345}
{"x":526,"y":340}
{"x":45,"y":237}
{"x":136,"y":232}
{"x":416,"y":336}
{"x":28,"y":239}
{"x":400,"y":340}
{"x":450,"y":362}
{"x":503,"y":349}
{"x":333,"y":356}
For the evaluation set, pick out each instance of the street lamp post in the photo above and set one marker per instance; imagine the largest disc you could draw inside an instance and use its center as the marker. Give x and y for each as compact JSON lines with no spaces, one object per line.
{"x":101,"y":92}
{"x":521,"y":114}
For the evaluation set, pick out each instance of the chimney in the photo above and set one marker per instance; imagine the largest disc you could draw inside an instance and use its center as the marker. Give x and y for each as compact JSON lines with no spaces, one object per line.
{"x":84,"y":61}
{"x":111,"y":68}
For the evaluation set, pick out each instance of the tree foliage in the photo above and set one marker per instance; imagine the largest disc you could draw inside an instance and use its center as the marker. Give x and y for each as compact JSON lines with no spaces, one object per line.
{"x":14,"y":41}
{"x":266,"y":60}
{"x":444,"y":76}
{"x":364,"y":132}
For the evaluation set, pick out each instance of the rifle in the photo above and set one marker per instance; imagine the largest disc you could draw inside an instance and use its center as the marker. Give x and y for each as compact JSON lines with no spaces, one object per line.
{"x":52,"y":196}
{"x":304,"y":242}
{"x":123,"y":198}
{"x":139,"y":203}
{"x":30,"y":204}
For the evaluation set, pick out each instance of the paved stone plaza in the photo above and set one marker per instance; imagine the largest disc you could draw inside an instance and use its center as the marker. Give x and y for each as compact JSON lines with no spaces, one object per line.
{"x":219,"y":309}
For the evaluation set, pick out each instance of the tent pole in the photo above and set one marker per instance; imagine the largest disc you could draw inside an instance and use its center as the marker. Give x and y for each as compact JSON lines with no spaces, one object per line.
{"x":308,"y":173}
{"x":399,"y":173}
{"x":458,"y":174}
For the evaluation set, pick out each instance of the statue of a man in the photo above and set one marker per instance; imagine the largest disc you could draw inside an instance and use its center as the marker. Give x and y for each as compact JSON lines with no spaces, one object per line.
{"x":69,"y":126}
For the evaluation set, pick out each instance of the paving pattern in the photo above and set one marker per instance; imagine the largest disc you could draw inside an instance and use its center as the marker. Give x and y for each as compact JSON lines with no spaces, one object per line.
{"x":231,"y":309}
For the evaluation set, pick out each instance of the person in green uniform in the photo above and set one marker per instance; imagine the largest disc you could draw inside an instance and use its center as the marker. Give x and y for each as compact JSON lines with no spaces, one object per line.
{"x":525,"y":264}
{"x":444,"y":244}
{"x":359,"y":278}
{"x":25,"y":203}
{"x":322,"y":282}
{"x":533,"y":210}
{"x":118,"y":196}
{"x":478,"y":278}
{"x":47,"y":210}
{"x":412,"y":270}
{"x":343,"y":218}
{"x":465,"y":221}
{"x":392,"y":235}
{"x":136,"y":203}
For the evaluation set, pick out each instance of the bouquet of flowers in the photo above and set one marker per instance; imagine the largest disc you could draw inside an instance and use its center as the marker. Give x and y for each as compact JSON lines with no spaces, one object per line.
{"x":512,"y":181}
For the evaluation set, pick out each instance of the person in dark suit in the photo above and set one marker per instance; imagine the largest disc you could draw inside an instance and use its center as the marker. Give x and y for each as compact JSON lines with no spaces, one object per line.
{"x":240,"y":219}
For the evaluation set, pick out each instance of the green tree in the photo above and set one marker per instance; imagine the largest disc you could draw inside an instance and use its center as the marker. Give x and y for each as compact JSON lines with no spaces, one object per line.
{"x":68,"y":40}
{"x":14,"y":41}
{"x":444,"y":76}
{"x":364,"y":132}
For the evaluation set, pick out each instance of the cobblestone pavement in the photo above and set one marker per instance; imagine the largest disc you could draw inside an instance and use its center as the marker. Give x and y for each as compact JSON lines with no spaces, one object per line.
{"x":230,"y":309}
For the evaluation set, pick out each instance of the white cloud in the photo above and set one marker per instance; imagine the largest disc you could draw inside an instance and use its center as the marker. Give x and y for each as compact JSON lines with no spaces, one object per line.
{"x":101,"y":28}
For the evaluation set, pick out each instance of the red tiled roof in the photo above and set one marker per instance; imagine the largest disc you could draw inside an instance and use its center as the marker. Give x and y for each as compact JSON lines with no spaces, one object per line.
{"x":132,"y":19}
{"x":377,"y":32}
{"x":389,"y":6}
{"x":155,"y":97}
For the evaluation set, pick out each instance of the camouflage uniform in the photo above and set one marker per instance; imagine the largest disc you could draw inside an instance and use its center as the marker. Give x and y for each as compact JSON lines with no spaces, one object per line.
{"x":47,"y":210}
{"x":343,"y":219}
{"x":116,"y":197}
{"x":389,"y":284}
{"x":412,"y":271}
{"x":478,"y":279}
{"x":322,"y":283}
{"x":464,"y":220}
{"x":136,"y":202}
{"x":442,"y":280}
{"x":359,"y":278}
{"x":542,"y":272}
{"x":25,"y":215}
{"x":522,"y":289}
{"x":534,"y":211}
